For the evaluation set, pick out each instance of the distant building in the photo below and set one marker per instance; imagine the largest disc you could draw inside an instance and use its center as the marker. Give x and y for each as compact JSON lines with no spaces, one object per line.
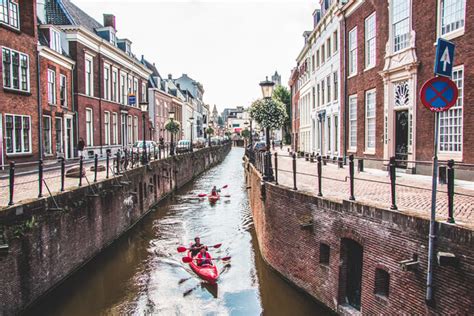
{"x":276,"y":78}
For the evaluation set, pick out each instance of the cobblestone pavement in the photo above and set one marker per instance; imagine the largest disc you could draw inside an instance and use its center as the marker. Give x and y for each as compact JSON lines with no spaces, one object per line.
{"x":372,"y":187}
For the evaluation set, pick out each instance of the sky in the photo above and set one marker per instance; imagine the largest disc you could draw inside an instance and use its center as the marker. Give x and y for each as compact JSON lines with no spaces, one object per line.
{"x":227,"y":45}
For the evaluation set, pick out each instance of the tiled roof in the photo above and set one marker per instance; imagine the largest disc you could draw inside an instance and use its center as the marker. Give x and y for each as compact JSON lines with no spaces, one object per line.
{"x":79,"y":17}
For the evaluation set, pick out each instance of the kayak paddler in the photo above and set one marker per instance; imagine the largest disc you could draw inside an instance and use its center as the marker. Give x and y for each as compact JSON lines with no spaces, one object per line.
{"x":204,"y":258}
{"x":214,"y":191}
{"x":196,"y":247}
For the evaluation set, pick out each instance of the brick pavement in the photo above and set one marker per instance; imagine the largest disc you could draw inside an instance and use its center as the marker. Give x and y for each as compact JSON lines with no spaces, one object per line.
{"x":372,"y":187}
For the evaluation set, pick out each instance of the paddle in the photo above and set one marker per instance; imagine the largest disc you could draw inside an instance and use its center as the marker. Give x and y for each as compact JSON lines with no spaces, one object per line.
{"x":188,"y":260}
{"x":183,"y":249}
{"x":205,"y":194}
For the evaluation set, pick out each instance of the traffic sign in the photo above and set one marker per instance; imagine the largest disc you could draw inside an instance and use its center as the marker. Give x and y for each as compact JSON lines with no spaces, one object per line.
{"x":444,"y":59}
{"x":439,"y":94}
{"x":132,"y":99}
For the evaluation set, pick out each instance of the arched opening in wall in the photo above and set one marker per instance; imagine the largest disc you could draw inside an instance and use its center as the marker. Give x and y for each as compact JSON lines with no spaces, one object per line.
{"x":350,"y":276}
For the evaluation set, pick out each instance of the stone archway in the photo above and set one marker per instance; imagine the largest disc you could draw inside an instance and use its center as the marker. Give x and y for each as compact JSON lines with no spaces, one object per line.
{"x":350,"y":273}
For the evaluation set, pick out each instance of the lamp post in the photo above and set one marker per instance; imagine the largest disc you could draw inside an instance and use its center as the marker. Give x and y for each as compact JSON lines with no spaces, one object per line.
{"x":171,"y":116}
{"x":144,"y":108}
{"x":191,"y":120}
{"x":267,"y":91}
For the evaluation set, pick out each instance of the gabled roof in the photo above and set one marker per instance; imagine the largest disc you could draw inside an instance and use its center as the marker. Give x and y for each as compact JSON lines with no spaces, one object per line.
{"x":79,"y":17}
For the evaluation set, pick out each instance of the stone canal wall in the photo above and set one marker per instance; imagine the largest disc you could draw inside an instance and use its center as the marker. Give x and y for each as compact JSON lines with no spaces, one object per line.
{"x":360,"y":259}
{"x":42,"y":246}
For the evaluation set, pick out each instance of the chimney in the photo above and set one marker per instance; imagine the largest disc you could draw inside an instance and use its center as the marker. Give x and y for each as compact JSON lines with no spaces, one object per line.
{"x":109,"y":20}
{"x":178,"y":85}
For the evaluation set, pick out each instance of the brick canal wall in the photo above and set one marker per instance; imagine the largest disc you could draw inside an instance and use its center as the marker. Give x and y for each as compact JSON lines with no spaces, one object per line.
{"x":46,"y":246}
{"x":310,"y":241}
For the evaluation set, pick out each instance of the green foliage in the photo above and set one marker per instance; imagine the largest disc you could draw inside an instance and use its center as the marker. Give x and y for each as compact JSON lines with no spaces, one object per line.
{"x":220,"y":121}
{"x":21,"y":229}
{"x":282,"y":94}
{"x":228,"y":134}
{"x":209,"y":131}
{"x":269,"y":113}
{"x":246,"y":133}
{"x":172,"y":126}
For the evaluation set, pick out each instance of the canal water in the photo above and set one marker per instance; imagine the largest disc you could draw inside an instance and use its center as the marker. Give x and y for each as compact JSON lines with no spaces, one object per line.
{"x":142,"y":273}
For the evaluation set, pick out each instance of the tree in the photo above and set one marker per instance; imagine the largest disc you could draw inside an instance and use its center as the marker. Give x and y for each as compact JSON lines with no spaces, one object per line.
{"x":209,"y":131}
{"x":220,"y":121}
{"x":172,"y":126}
{"x":246,"y":133}
{"x":283,"y":95}
{"x":269,"y":113}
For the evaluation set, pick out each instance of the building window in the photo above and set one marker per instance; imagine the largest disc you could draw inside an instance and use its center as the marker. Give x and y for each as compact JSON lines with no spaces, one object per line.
{"x":335,"y":41}
{"x":313,"y":65}
{"x":129,"y":130}
{"x":63,"y":90}
{"x":135,"y":128}
{"x":328,"y":82}
{"x":328,"y":122}
{"x":451,"y":121}
{"x":107,"y":128}
{"x":329,"y":47}
{"x":401,"y":24}
{"x":336,"y":86}
{"x":317,"y":58}
{"x":59,"y":134}
{"x":113,"y":38}
{"x":18,"y":134}
{"x":353,"y":122}
{"x":323,"y":54}
{"x":402,"y":94}
{"x":318,"y":96}
{"x":135,"y":91}
{"x":107,"y":82}
{"x":9,"y":13}
{"x":89,"y":128}
{"x":114,"y":129}
{"x":89,"y":77}
{"x":48,"y":148}
{"x":336,"y":134}
{"x":123,"y":89}
{"x":16,"y":70}
{"x":144,"y":91}
{"x":353,"y":51}
{"x":370,"y":120}
{"x":55,"y":41}
{"x":51,"y":86}
{"x":322,"y":93}
{"x":114,"y":85}
{"x":324,"y":254}
{"x":370,"y":32}
{"x":382,"y":282}
{"x":453,"y":13}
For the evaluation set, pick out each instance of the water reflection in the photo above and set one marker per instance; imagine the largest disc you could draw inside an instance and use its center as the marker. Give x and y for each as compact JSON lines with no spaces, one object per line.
{"x":142,"y":273}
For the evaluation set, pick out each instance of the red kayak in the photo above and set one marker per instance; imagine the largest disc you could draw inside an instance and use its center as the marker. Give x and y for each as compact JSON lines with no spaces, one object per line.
{"x":205,"y":272}
{"x":214,"y":198}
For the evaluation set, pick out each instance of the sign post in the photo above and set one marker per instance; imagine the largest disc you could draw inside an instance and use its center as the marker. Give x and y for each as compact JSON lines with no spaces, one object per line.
{"x":438,"y":94}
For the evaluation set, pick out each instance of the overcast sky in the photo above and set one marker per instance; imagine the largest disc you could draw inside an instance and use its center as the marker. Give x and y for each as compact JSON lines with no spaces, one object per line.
{"x":227,"y":45}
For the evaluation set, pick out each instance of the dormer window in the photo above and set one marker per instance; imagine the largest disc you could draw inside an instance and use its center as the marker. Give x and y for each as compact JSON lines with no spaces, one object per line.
{"x":128,"y":49}
{"x":9,"y":13}
{"x":113,"y":39}
{"x":55,"y":41}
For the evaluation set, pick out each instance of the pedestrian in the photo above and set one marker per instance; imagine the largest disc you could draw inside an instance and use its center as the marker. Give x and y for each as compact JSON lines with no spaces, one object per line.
{"x":80,"y":147}
{"x":281,"y":145}
{"x":273,"y":144}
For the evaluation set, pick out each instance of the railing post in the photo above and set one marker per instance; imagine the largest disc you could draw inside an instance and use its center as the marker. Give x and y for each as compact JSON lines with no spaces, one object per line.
{"x":294,"y":172}
{"x":160,"y":149}
{"x":320,"y":175}
{"x":107,"y":163}
{"x":450,"y":192}
{"x":132,"y":159}
{"x":96,"y":162}
{"x":360,"y":165}
{"x":393,"y":175}
{"x":63,"y":172}
{"x":351,"y":176}
{"x":40,"y":178}
{"x":12,"y":181}
{"x":155,"y":155}
{"x":81,"y":167}
{"x":276,"y":168}
{"x":118,"y":162}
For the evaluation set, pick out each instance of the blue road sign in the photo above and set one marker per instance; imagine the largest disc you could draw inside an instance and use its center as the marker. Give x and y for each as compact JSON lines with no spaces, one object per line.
{"x":444,"y":58}
{"x":132,"y":99}
{"x":439,"y":94}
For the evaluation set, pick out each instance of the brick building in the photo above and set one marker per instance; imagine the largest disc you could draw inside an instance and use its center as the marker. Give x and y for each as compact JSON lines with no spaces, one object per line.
{"x":19,"y":120}
{"x":109,"y":81}
{"x":295,"y":120}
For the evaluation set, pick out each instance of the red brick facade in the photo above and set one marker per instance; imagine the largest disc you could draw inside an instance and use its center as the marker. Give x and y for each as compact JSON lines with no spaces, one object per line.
{"x":295,"y":119}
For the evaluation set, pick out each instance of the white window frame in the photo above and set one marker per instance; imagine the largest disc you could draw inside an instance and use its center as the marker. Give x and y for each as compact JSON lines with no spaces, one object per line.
{"x":115,"y":85}
{"x":89,"y":128}
{"x":452,"y":33}
{"x":58,"y":122}
{"x":20,"y":69}
{"x":335,"y":81}
{"x":22,"y":135}
{"x":369,"y":149}
{"x":353,"y":122}
{"x":7,"y":8}
{"x":135,"y":128}
{"x":48,"y":150}
{"x":352,"y":52}
{"x":55,"y":40}
{"x":144,"y":92}
{"x":123,"y":88}
{"x":63,"y":87}
{"x":106,"y":89}
{"x":129,"y":130}
{"x":114,"y":128}
{"x":51,"y":86}
{"x":106,"y":128}
{"x":370,"y":42}
{"x":401,"y":46}
{"x":335,"y":41}
{"x":89,"y":76}
{"x":135,"y":91}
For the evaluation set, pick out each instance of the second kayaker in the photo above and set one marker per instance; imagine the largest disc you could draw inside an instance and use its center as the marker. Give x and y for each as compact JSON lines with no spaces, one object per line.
{"x":204,"y":258}
{"x":196,"y":247}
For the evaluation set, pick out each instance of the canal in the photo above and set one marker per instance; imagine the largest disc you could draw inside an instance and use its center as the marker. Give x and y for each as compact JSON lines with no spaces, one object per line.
{"x":142,"y":273}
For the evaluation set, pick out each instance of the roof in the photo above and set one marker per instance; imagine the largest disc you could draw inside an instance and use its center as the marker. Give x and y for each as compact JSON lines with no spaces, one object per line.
{"x":154,"y":73}
{"x":79,"y":17}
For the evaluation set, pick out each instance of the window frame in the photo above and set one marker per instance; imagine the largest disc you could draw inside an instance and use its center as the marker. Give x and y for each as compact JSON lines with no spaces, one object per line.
{"x":114,"y":128}
{"x":47,"y":150}
{"x":19,"y":70}
{"x":14,"y":140}
{"x":368,"y":149}
{"x":352,"y":52}
{"x":352,"y":128}
{"x":106,"y":128}
{"x":52,"y":97}
{"x":61,"y":87}
{"x":106,"y":82}
{"x":115,"y":85}
{"x":7,"y":6}
{"x":367,"y":42}
{"x":392,"y":27}
{"x":55,"y":40}
{"x":439,"y":27}
{"x":89,"y":80}
{"x":90,"y":129}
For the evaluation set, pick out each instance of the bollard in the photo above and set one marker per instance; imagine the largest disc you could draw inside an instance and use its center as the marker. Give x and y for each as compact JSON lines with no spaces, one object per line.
{"x":294,"y":172}
{"x":40,"y":178}
{"x":81,"y":166}
{"x":117,"y":159}
{"x":320,"y":176}
{"x":63,"y":172}
{"x":107,"y":163}
{"x":132,"y":159}
{"x":351,"y":176}
{"x":360,"y":165}
{"x":96,"y":162}
{"x":340,"y":163}
{"x":155,"y":155}
{"x":392,"y":169}
{"x":276,"y":168}
{"x":12,"y":181}
{"x":450,"y":192}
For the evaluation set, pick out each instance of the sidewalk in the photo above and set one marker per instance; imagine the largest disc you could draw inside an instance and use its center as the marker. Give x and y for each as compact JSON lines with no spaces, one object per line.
{"x":372,"y":187}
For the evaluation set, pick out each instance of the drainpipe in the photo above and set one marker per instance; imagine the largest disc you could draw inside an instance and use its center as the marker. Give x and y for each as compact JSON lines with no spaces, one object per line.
{"x":101,"y":69}
{"x":40,"y":105}
{"x":75,"y":137}
{"x":346,"y":97}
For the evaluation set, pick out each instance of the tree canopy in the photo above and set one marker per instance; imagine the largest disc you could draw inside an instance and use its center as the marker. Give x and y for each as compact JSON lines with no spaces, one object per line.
{"x":269,"y":113}
{"x":172,"y":126}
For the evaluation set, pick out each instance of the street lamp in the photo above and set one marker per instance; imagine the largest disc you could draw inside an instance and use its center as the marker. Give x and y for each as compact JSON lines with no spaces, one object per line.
{"x":144,"y":108}
{"x":267,"y":91}
{"x":171,"y":116}
{"x":191,"y":120}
